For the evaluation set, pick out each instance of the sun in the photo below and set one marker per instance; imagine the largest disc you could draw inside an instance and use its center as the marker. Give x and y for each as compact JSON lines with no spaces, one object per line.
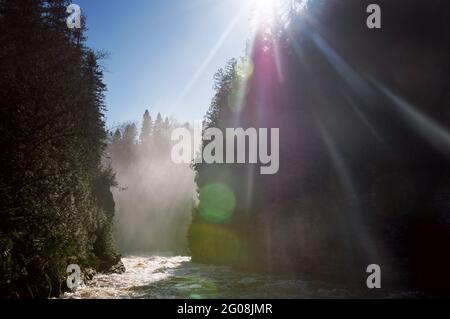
{"x":265,"y":9}
{"x":265,"y":5}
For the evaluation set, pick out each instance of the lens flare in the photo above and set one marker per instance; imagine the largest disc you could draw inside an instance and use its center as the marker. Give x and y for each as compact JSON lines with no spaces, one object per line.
{"x":268,"y":10}
{"x":217,"y":203}
{"x":264,"y":10}
{"x":214,"y":244}
{"x":265,"y":6}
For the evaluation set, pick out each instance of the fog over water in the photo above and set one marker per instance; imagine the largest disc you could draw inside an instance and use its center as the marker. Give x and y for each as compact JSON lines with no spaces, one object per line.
{"x":154,"y":197}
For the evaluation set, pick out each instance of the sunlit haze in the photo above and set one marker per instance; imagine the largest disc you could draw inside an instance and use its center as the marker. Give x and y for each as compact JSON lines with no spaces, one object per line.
{"x":224,"y":149}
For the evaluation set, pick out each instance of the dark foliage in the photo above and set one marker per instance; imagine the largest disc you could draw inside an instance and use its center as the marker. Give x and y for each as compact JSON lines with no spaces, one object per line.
{"x":56,"y":207}
{"x":364,"y":176}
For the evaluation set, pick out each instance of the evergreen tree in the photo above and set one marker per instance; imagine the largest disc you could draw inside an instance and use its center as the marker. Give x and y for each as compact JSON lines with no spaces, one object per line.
{"x":129,"y":136}
{"x":166,"y":124}
{"x":159,"y":125}
{"x":117,"y":137}
{"x":158,"y":131}
{"x":147,"y":126}
{"x":55,"y":202}
{"x":340,"y":199}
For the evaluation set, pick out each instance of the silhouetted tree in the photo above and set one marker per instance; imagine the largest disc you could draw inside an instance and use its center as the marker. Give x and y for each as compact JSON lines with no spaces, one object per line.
{"x":348,"y":192}
{"x":52,"y":138}
{"x":146,"y":129}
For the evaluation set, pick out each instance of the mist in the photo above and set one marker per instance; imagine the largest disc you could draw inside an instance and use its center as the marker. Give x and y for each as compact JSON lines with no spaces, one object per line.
{"x":154,"y":196}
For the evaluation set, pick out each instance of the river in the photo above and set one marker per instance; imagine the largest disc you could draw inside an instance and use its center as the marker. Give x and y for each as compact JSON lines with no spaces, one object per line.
{"x":164,"y":276}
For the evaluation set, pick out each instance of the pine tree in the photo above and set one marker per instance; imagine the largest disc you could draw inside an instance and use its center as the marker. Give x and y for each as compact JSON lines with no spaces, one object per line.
{"x":117,"y":137}
{"x":334,"y":206}
{"x":166,"y":124}
{"x":54,"y":205}
{"x":158,"y":128}
{"x":129,"y":136}
{"x":159,"y":124}
{"x":147,"y":127}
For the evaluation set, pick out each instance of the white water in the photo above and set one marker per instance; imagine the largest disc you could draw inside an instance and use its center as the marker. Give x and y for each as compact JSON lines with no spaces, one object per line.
{"x":164,"y":276}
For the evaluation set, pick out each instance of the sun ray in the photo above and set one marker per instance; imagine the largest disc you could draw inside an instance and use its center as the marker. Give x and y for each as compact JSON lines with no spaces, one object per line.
{"x":210,"y":56}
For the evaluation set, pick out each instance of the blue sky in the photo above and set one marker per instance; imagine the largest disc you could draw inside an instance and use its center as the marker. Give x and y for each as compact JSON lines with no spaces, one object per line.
{"x":157,"y":48}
